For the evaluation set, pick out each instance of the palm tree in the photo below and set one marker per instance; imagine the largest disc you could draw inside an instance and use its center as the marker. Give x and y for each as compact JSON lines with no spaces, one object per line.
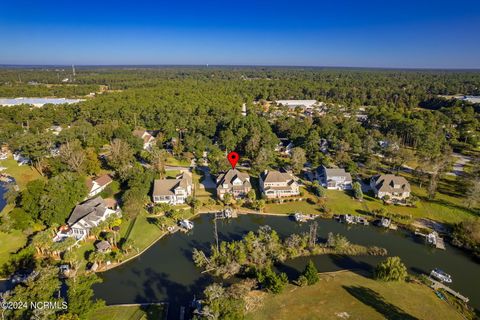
{"x":42,"y":241}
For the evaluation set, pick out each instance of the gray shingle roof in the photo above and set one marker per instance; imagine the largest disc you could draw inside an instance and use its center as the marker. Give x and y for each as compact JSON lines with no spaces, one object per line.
{"x":230,"y":176}
{"x":391,"y":183}
{"x":90,"y":211}
{"x":337,"y":172}
{"x":274,"y":176}
{"x":164,"y":187}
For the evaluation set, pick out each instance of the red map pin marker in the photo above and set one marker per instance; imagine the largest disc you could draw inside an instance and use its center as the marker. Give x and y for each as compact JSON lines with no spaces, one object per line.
{"x":233,"y":158}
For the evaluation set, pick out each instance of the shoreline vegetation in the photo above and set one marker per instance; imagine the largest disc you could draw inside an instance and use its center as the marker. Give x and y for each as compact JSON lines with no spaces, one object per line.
{"x":264,"y":248}
{"x":357,"y":248}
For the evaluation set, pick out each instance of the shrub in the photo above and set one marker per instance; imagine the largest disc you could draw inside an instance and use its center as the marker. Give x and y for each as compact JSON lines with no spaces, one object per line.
{"x":271,"y":281}
{"x":391,"y":269}
{"x":302,"y":281}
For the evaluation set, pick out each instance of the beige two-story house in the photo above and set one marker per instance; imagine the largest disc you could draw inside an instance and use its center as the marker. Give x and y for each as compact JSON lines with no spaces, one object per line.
{"x":395,"y":187}
{"x":173,"y":191}
{"x":233,"y":182}
{"x":276,"y":184}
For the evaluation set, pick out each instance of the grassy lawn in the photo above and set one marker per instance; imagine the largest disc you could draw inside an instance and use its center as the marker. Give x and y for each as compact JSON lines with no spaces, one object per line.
{"x":172,"y":173}
{"x":351,"y":296}
{"x":10,"y":243}
{"x":129,"y":313}
{"x":22,"y":174}
{"x":292,"y":207}
{"x":172,"y":161}
{"x":443,"y":208}
{"x":145,"y":232}
{"x":204,"y":195}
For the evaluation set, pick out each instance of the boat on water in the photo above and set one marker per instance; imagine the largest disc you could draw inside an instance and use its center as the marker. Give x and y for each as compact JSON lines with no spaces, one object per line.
{"x":186,"y":224}
{"x":383,"y":222}
{"x":228,"y":213}
{"x":441,"y":275}
{"x":351,"y":219}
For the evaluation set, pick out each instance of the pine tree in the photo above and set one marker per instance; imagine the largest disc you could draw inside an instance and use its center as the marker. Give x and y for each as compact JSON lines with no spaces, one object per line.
{"x":311,"y":273}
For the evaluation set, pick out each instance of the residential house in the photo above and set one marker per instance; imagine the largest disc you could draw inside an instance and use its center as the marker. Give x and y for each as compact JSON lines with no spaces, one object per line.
{"x":86,"y":216}
{"x":285,"y":147}
{"x":233,"y":182}
{"x":276,"y":184}
{"x":173,"y":191}
{"x":98,"y":185}
{"x":148,"y":139}
{"x":395,"y":187}
{"x":334,"y":178}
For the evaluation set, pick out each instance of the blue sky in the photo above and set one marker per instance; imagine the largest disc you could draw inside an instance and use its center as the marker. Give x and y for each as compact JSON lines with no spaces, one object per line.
{"x":388,"y":33}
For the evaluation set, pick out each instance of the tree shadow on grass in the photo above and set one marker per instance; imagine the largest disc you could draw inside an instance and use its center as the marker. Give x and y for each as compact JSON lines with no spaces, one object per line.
{"x":374,"y":300}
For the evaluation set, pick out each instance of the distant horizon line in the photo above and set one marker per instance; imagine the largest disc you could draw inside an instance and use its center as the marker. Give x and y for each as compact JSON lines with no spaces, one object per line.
{"x":233,"y":66}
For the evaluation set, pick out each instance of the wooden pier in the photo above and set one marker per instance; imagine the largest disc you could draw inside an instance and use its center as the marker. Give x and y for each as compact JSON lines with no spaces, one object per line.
{"x":438,"y":285}
{"x":437,"y":241}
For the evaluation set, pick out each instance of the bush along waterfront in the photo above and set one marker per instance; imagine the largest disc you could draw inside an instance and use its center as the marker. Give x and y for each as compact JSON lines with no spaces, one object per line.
{"x":264,"y":248}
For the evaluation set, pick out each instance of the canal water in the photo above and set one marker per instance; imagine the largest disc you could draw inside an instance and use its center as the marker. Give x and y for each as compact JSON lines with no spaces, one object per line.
{"x":166,"y":272}
{"x":3,"y":189}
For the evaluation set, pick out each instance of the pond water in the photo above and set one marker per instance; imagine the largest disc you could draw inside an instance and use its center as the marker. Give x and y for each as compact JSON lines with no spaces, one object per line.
{"x":166,"y":272}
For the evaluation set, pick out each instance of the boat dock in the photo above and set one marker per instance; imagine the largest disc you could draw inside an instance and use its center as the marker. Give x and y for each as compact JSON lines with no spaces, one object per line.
{"x":351,"y":219}
{"x":226,"y":214}
{"x":433,"y":239}
{"x":438,"y":285}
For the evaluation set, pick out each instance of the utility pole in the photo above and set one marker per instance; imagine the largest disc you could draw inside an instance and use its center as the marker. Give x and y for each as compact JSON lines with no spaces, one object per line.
{"x":216,"y":232}
{"x":313,"y":234}
{"x":73,"y":73}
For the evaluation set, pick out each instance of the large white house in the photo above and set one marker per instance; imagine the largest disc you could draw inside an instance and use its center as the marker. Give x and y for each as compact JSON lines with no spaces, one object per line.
{"x":395,"y":187}
{"x":173,"y":191}
{"x":334,"y":178}
{"x":86,"y":216}
{"x":98,"y":185}
{"x":276,"y":184}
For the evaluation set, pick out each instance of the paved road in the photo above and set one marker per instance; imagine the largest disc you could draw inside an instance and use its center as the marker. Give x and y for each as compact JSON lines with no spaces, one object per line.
{"x":460,"y":161}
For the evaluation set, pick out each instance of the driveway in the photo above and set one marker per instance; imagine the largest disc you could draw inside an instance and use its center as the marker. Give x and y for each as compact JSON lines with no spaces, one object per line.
{"x":459,"y":164}
{"x":207,"y":181}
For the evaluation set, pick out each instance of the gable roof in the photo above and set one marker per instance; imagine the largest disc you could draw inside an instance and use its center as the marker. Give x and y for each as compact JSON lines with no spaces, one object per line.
{"x":230,"y":176}
{"x":274,"y":176}
{"x":143,"y":134}
{"x":336,"y":172}
{"x":90,"y":211}
{"x":101,"y":181}
{"x":103,"y":245}
{"x":165,"y":187}
{"x":391,"y":183}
